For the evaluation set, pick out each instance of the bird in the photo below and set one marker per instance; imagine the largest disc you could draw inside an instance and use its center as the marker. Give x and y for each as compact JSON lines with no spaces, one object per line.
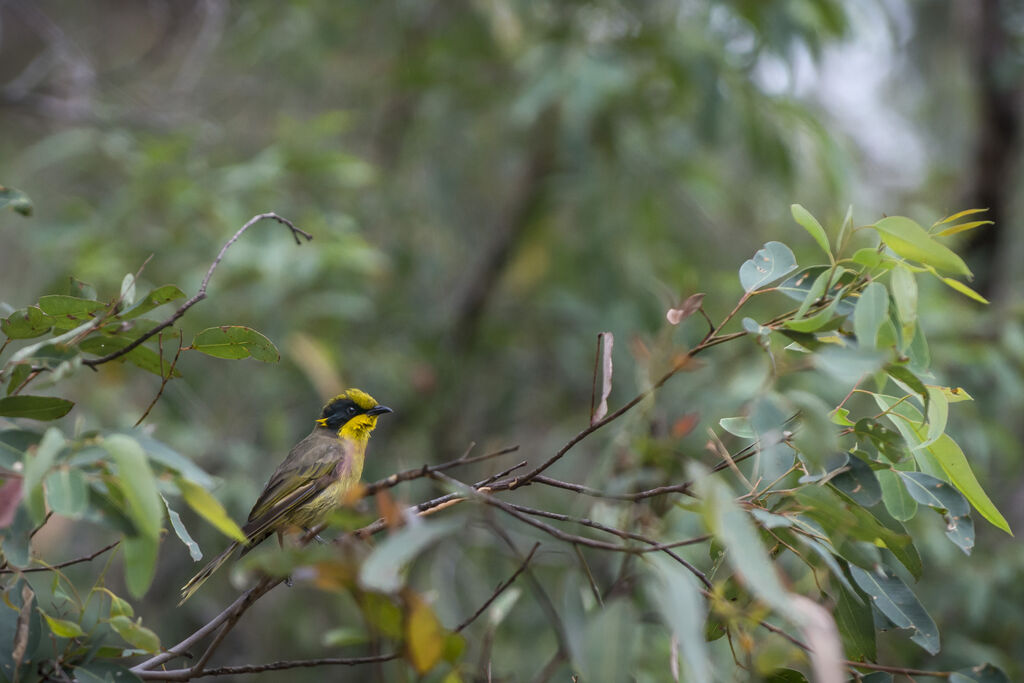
{"x":313,"y":480}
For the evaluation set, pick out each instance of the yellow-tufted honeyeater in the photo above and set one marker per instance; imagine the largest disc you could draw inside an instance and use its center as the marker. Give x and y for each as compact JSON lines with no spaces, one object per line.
{"x":312,"y":480}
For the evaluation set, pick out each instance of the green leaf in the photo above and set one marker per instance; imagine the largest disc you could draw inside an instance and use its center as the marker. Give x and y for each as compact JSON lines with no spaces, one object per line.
{"x":872,"y":309}
{"x":140,"y":553}
{"x":911,"y":241}
{"x":868,"y":256}
{"x":815,"y":437}
{"x":210,"y":509}
{"x":66,"y":492}
{"x":898,"y":501}
{"x":137,"y":483}
{"x":904,"y":293}
{"x":135,"y":633}
{"x":182,"y":533}
{"x":858,"y":482}
{"x":937,"y":410}
{"x":948,"y":455}
{"x":785,"y":676}
{"x":964,"y":289}
{"x":815,"y":293}
{"x":983,"y":673}
{"x":36,"y":468}
{"x":769,"y":264}
{"x":19,"y":374}
{"x":898,"y":603}
{"x":157,"y":297}
{"x":737,"y":426}
{"x":848,"y":365}
{"x":62,"y":628}
{"x":16,"y":200}
{"x":76,"y":310}
{"x":745,"y":551}
{"x":35,"y":407}
{"x":234,"y":342}
{"x":381,"y":571}
{"x":141,"y":356}
{"x":811,"y":225}
{"x":855,"y":624}
{"x":26,"y":323}
{"x":943,"y":497}
{"x":816,"y":321}
{"x":101,"y":671}
{"x":676,"y":595}
{"x":161,"y":453}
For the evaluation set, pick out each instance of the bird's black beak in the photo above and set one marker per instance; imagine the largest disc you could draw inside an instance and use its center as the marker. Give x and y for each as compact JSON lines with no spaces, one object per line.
{"x":379,"y":410}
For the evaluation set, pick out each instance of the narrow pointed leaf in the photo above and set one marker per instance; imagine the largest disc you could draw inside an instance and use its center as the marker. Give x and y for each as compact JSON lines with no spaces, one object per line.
{"x":809,"y":223}
{"x":911,"y":241}
{"x":35,"y":407}
{"x":200,"y":500}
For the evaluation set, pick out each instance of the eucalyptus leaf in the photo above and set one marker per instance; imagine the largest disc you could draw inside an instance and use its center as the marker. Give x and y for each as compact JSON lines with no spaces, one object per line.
{"x":773,"y":262}
{"x":898,"y":603}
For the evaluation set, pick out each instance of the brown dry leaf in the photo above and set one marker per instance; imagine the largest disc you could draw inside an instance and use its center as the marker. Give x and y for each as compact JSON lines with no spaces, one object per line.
{"x":424,"y":635}
{"x":690,"y":306}
{"x":21,"y":630}
{"x":389,"y":510}
{"x":685,"y":425}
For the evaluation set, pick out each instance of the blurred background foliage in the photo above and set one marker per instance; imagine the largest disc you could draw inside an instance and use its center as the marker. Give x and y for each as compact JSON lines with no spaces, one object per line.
{"x":490,"y":184}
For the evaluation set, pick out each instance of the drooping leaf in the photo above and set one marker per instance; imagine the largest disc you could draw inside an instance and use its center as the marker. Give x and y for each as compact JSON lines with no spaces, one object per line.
{"x":66,"y":492}
{"x":678,"y":598}
{"x":36,"y":467}
{"x":235,"y":342}
{"x":911,"y":241}
{"x":856,"y":627}
{"x":904,"y":294}
{"x":943,"y":497}
{"x":774,"y":261}
{"x":35,"y":407}
{"x":898,"y":501}
{"x":140,"y":553}
{"x":898,"y":603}
{"x":745,"y":551}
{"x":947,"y":454}
{"x":209,"y":508}
{"x":382,"y":569}
{"x":872,"y":309}
{"x":137,"y":483}
{"x":424,"y":636}
{"x":815,"y":436}
{"x":811,"y":225}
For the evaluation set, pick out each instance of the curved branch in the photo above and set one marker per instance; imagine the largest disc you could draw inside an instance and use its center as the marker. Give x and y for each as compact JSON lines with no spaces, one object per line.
{"x":201,"y":294}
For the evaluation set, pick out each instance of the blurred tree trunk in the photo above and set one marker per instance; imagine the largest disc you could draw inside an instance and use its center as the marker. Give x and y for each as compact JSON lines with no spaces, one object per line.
{"x":997,"y":144}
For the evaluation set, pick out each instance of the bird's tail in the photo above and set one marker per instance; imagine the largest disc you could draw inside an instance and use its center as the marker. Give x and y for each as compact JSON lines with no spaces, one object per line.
{"x":206,"y":572}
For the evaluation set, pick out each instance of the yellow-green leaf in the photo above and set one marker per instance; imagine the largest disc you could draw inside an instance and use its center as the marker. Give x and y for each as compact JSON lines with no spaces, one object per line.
{"x":960,"y":214}
{"x":234,"y":342}
{"x":964,"y":289}
{"x":62,"y":628}
{"x":424,"y":636}
{"x":962,"y":227}
{"x":911,"y":241}
{"x":135,"y":633}
{"x":200,"y":500}
{"x":811,"y":225}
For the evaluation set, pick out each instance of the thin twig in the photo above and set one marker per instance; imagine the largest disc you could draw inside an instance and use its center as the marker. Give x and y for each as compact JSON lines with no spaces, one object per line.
{"x":163,"y":381}
{"x":201,"y":294}
{"x":499,"y":590}
{"x":61,"y":565}
{"x":426,"y":470}
{"x":186,"y":674}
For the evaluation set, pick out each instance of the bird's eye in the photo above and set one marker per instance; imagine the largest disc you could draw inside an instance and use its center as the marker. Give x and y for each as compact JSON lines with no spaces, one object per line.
{"x":351,"y":410}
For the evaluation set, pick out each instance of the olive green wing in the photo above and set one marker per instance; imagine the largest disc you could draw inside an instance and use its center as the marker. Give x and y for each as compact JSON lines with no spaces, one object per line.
{"x":310,"y":467}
